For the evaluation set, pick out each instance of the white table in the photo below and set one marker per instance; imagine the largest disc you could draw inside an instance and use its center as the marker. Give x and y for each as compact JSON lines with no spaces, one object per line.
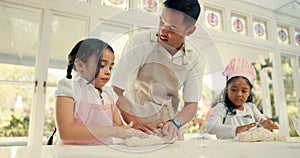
{"x":180,"y":149}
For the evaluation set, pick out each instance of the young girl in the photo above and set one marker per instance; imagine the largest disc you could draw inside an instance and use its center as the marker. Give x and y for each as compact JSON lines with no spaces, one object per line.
{"x":85,"y":109}
{"x":236,"y":112}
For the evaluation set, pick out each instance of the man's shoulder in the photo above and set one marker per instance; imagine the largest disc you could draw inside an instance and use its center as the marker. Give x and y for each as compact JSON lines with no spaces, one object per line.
{"x":193,"y":52}
{"x":146,"y":35}
{"x":191,"y":46}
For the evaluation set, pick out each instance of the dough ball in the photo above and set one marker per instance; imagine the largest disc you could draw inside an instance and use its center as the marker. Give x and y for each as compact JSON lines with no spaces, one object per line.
{"x":259,"y":134}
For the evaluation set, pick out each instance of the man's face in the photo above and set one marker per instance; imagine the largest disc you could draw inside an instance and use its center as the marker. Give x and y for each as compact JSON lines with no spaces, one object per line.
{"x":172,"y":29}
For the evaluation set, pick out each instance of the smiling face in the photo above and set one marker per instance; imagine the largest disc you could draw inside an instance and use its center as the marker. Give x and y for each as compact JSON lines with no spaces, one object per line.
{"x":238,"y":91}
{"x":107,"y":62}
{"x":172,"y":28}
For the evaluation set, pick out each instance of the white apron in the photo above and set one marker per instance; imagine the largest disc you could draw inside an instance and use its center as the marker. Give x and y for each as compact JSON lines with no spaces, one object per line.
{"x":154,"y":96}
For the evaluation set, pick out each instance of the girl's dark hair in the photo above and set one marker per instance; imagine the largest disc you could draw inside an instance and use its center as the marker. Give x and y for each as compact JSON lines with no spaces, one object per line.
{"x":83,"y":50}
{"x":225,"y":99}
{"x":191,"y":8}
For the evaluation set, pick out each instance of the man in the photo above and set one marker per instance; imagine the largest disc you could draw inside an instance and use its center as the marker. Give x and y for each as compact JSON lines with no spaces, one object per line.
{"x":157,"y":66}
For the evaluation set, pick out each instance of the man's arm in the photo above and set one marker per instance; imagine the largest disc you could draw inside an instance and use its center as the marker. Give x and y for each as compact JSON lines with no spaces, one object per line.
{"x":185,"y":115}
{"x":128,"y":115}
{"x":122,"y":103}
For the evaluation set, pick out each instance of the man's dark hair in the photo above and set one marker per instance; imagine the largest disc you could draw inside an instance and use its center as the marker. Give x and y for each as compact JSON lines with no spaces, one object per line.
{"x":191,"y":8}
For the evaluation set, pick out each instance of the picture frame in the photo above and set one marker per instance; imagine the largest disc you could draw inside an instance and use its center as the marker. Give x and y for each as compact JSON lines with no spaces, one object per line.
{"x":124,"y":4}
{"x":213,"y":19}
{"x":260,"y":30}
{"x":283,"y":34}
{"x":239,"y":24}
{"x":150,"y":6}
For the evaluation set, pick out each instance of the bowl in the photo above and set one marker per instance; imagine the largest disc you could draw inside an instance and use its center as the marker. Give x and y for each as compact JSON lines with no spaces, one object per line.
{"x":296,"y":123}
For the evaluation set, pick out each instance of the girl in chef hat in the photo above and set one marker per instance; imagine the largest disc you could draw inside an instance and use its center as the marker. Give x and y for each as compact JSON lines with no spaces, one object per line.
{"x":236,"y":112}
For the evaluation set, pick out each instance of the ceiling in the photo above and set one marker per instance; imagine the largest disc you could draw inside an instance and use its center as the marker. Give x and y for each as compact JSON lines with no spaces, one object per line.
{"x":289,"y":7}
{"x":19,"y":40}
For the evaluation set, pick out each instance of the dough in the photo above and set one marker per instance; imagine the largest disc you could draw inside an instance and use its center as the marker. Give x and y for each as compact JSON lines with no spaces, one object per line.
{"x":259,"y":134}
{"x":150,"y":140}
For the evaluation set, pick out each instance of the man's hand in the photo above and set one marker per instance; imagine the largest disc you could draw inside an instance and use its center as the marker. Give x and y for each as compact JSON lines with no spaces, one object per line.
{"x":127,"y":131}
{"x":148,"y":127}
{"x":169,"y":129}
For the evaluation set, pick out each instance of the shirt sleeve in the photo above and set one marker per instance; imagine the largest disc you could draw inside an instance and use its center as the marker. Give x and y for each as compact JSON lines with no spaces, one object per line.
{"x":65,"y":88}
{"x":192,"y":89}
{"x":257,"y":114}
{"x":122,"y":70}
{"x":215,"y":123}
{"x":131,"y":60}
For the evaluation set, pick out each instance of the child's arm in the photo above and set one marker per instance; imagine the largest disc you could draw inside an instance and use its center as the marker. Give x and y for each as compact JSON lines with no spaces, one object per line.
{"x":70,"y":131}
{"x":117,"y":117}
{"x":216,"y":126}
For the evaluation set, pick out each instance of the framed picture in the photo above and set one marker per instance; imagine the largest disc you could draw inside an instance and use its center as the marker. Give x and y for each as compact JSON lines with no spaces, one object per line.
{"x":260,"y":29}
{"x":150,"y":6}
{"x":82,"y":0}
{"x":213,"y":18}
{"x":116,"y":3}
{"x":283,"y":34}
{"x":239,"y":24}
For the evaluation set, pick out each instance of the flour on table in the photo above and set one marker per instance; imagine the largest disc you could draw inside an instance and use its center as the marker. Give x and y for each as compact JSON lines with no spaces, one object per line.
{"x":150,"y":140}
{"x":259,"y":134}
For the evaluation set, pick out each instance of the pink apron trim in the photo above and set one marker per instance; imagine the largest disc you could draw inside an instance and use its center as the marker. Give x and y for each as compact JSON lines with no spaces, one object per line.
{"x":93,"y":115}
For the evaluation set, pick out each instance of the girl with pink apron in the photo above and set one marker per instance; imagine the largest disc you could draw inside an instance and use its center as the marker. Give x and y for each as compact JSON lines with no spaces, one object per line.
{"x":93,"y":115}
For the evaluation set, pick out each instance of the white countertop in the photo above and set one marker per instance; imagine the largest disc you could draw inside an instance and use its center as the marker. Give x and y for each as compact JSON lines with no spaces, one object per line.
{"x":186,"y":149}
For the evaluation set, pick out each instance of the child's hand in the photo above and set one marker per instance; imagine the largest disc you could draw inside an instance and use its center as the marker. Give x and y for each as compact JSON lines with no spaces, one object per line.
{"x":136,"y":133}
{"x":148,"y":127}
{"x":127,"y":131}
{"x":268,"y":124}
{"x":244,"y":128}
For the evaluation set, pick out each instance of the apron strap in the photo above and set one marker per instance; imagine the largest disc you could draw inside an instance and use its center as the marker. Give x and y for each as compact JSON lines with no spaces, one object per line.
{"x":50,"y":140}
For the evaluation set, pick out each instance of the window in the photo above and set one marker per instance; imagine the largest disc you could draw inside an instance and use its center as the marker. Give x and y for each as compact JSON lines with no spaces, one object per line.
{"x":54,"y":75}
{"x":16,"y":90}
{"x":289,"y":78}
{"x":63,"y":38}
{"x":20,"y":40}
{"x":116,"y":34}
{"x":297,"y":37}
{"x":19,"y":34}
